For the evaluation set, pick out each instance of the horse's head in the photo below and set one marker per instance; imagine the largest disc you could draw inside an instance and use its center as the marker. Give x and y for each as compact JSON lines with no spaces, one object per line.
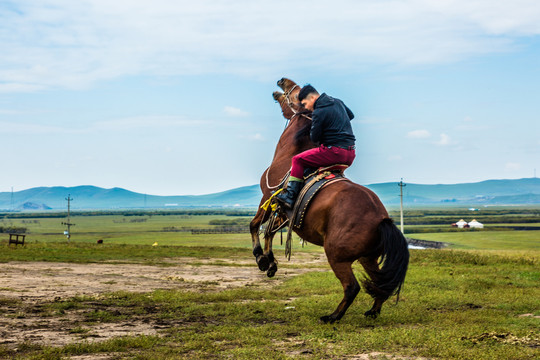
{"x":291,"y":107}
{"x":288,"y":99}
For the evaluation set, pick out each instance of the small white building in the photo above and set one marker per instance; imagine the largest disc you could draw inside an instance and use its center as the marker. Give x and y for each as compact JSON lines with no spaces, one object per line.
{"x":461,"y":224}
{"x":476,"y":224}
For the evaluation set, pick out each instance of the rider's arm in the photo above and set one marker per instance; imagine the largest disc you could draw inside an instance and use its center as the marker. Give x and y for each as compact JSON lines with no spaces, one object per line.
{"x":316,"y":128}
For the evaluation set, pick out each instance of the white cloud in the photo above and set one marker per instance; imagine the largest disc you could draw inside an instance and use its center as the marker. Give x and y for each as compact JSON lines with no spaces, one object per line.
{"x":419,"y":134}
{"x":494,"y":17}
{"x":9,"y":112}
{"x":153,"y":122}
{"x":235,"y":112}
{"x":19,"y":87}
{"x":257,"y":137}
{"x":444,"y":140}
{"x":395,"y":158}
{"x":512,"y":166}
{"x":72,"y":44}
{"x":372,"y":121}
{"x":7,"y":127}
{"x":253,"y":137}
{"x":119,"y":125}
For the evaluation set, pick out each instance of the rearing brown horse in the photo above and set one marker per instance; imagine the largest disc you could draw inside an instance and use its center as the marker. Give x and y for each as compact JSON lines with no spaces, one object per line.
{"x":347,"y":219}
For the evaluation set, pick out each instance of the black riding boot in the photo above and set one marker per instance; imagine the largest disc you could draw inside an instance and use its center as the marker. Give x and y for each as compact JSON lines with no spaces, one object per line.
{"x":288,"y":197}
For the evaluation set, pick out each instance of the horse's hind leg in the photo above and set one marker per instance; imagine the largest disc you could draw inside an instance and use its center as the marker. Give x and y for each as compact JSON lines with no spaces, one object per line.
{"x":351,"y":288}
{"x":371,"y":265}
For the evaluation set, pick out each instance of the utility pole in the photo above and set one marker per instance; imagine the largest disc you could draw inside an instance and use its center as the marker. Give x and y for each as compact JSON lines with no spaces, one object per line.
{"x":12,"y":204}
{"x":401,"y":186}
{"x":68,"y":223}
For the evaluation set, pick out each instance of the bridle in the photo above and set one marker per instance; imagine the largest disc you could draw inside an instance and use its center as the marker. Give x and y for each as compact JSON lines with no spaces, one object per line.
{"x":287,"y":95}
{"x":287,"y":98}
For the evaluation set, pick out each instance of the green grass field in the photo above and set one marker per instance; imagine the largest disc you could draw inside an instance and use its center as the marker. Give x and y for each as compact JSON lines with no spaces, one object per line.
{"x":477,"y":299}
{"x":455,"y":305}
{"x":146,"y":230}
{"x":119,"y":229}
{"x":486,"y":240}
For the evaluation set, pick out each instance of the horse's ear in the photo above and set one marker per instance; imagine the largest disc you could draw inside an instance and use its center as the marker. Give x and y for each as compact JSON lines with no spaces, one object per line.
{"x":277,"y":95}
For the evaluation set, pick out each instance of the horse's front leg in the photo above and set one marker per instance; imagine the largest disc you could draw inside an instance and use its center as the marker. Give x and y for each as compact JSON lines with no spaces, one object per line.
{"x":268,"y":240}
{"x":272,"y":262}
{"x":254,"y":226}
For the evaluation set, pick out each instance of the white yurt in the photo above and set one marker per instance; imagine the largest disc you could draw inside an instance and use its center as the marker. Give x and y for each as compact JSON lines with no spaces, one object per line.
{"x":461,"y":223}
{"x":476,"y":224}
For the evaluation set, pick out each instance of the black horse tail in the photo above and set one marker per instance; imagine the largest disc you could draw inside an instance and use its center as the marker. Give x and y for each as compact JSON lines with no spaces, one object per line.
{"x":388,"y":280}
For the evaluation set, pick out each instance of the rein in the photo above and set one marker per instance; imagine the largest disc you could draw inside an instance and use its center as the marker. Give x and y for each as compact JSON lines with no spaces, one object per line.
{"x":287,"y":98}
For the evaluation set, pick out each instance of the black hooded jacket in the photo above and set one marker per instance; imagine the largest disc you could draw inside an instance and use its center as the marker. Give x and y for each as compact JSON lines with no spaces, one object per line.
{"x":331,"y":124}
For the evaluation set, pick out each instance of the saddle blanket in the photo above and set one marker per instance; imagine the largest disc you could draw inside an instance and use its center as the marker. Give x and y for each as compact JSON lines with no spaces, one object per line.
{"x":313,"y":183}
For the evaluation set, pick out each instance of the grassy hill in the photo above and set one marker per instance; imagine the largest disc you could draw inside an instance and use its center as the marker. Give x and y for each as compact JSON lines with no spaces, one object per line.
{"x":92,"y":197}
{"x":490,"y":192}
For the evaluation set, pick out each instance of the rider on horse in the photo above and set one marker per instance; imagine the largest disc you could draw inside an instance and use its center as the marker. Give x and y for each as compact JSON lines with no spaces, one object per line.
{"x":331,"y":129}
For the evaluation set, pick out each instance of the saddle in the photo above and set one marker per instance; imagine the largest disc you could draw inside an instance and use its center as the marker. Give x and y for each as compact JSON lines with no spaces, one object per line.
{"x":314,"y":180}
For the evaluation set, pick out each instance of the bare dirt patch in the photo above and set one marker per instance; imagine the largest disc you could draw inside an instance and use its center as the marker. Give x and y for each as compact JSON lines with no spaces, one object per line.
{"x":383,"y":356}
{"x":26,"y":286}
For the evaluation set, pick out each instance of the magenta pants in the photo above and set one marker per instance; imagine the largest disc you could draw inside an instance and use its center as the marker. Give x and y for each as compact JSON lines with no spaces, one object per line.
{"x":321,"y":156}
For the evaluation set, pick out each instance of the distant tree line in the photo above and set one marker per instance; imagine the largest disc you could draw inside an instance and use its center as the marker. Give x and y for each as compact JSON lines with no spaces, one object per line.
{"x":221,"y":230}
{"x":227,"y":222}
{"x":62,"y":214}
{"x":139,"y":220}
{"x":218,"y":226}
{"x":435,"y":220}
{"x":12,"y":230}
{"x":30,"y":221}
{"x":462,"y":212}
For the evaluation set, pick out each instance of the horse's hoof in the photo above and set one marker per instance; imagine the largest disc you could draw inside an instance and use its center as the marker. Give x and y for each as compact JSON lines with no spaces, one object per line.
{"x":371,"y":314}
{"x":257,"y":251}
{"x":328,"y":319}
{"x":263,"y":262}
{"x":272,"y":270}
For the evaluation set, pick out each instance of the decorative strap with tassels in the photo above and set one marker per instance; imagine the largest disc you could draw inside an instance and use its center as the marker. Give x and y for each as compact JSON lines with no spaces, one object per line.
{"x":268,"y":203}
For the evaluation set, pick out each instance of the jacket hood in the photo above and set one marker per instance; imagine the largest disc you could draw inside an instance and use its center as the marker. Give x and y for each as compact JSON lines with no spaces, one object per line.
{"x":324,"y":100}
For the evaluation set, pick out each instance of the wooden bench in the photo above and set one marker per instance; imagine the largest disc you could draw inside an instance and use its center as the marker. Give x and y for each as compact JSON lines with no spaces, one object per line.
{"x":16,"y":239}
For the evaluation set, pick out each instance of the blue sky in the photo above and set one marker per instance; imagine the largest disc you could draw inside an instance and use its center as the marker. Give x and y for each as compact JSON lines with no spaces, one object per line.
{"x":174,"y":97}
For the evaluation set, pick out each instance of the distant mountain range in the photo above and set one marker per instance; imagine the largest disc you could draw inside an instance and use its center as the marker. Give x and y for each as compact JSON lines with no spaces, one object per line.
{"x":490,"y":192}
